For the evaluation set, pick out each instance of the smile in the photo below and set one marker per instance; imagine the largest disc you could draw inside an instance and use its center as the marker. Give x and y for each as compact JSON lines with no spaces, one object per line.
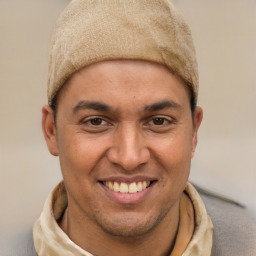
{"x":127,"y":188}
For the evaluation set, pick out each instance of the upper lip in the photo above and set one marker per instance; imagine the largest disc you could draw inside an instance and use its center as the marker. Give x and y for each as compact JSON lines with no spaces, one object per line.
{"x":129,"y":179}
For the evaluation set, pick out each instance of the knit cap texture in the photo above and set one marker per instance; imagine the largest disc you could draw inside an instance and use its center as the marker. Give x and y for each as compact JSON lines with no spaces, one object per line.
{"x":90,"y":31}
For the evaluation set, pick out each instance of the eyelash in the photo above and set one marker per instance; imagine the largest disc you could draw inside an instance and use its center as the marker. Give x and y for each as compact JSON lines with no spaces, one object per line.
{"x":95,"y":118}
{"x":165,"y":121}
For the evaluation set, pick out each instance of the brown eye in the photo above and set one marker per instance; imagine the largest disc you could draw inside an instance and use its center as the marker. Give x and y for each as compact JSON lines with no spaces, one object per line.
{"x":96,"y":121}
{"x":158,"y":121}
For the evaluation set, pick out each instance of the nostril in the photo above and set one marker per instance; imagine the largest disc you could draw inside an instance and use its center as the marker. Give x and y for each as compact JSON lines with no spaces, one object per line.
{"x":128,"y":154}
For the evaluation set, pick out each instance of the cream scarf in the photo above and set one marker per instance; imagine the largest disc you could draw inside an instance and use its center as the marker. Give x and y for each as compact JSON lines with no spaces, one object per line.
{"x":50,"y":240}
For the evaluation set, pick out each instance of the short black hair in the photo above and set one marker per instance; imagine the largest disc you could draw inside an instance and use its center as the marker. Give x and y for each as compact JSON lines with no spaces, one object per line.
{"x":54,"y":106}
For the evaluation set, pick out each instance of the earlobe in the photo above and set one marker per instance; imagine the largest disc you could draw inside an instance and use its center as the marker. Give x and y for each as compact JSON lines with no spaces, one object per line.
{"x":198,"y":117}
{"x":49,"y":129}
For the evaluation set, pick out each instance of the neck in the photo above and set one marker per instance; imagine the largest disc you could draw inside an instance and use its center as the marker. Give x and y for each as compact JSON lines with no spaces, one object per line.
{"x":158,"y":241}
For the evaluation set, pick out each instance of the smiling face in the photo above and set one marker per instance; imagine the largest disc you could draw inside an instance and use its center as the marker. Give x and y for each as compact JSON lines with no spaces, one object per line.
{"x":124,"y":135}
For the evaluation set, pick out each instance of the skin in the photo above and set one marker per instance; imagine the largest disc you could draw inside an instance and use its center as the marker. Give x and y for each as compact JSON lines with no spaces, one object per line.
{"x":123,"y":120}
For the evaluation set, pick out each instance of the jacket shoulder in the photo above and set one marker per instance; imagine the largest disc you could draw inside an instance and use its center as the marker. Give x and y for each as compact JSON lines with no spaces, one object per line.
{"x":234,"y":228}
{"x":21,"y":244}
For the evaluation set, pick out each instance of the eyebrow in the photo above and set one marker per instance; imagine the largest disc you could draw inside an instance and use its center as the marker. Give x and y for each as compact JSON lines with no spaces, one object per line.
{"x":162,"y":105}
{"x":95,"y":105}
{"x":99,"y":106}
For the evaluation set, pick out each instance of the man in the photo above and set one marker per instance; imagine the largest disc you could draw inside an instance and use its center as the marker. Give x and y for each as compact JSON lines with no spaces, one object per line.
{"x":123,"y":119}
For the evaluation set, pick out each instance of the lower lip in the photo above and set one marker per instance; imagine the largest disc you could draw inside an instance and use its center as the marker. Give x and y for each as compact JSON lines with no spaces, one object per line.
{"x":127,"y":198}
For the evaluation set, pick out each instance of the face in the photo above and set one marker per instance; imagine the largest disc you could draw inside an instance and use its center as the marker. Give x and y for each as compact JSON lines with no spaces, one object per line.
{"x":124,"y":136}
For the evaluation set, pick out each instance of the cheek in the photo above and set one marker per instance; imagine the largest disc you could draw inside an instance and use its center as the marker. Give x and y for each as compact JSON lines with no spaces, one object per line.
{"x":174,"y":152}
{"x":176,"y":145}
{"x":79,"y":154}
{"x":78,"y":158}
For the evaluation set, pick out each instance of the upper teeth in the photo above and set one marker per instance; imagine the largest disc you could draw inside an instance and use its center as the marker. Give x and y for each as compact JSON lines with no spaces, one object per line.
{"x":127,"y":188}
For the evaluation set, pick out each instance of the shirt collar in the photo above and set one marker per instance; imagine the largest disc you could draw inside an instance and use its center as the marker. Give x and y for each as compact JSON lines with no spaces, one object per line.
{"x":49,"y":239}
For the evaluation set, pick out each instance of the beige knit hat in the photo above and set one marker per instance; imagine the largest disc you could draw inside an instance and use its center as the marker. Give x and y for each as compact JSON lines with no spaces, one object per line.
{"x":90,"y":31}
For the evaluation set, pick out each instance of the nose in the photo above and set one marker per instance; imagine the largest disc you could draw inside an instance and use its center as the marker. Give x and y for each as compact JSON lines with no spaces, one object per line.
{"x":129,"y":149}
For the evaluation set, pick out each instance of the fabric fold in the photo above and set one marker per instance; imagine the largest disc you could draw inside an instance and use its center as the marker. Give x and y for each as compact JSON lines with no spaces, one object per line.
{"x":49,"y":239}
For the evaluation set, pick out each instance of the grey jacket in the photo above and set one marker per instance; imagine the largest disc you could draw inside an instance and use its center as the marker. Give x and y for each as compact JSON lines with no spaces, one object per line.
{"x":234,"y":231}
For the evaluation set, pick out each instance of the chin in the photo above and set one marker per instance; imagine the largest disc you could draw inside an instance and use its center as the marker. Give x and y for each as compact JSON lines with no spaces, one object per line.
{"x":128,"y":225}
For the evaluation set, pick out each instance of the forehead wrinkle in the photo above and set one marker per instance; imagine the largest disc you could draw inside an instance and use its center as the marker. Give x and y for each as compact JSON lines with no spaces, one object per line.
{"x":95,"y":105}
{"x":162,"y":105}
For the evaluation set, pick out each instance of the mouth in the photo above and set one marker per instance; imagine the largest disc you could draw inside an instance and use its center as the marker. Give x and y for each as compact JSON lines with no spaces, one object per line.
{"x":127,"y":188}
{"x":124,"y":190}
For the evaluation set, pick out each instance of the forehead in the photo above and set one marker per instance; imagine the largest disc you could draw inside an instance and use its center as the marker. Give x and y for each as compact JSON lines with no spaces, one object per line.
{"x":125,"y":81}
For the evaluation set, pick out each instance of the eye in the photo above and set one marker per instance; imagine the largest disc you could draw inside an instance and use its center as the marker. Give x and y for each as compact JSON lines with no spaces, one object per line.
{"x":160,"y":124}
{"x":95,"y":124}
{"x":96,"y":121}
{"x":159,"y":121}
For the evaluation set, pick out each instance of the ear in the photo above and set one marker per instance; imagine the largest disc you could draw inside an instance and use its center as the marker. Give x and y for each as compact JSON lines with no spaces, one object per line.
{"x":49,"y":129}
{"x":198,"y":117}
